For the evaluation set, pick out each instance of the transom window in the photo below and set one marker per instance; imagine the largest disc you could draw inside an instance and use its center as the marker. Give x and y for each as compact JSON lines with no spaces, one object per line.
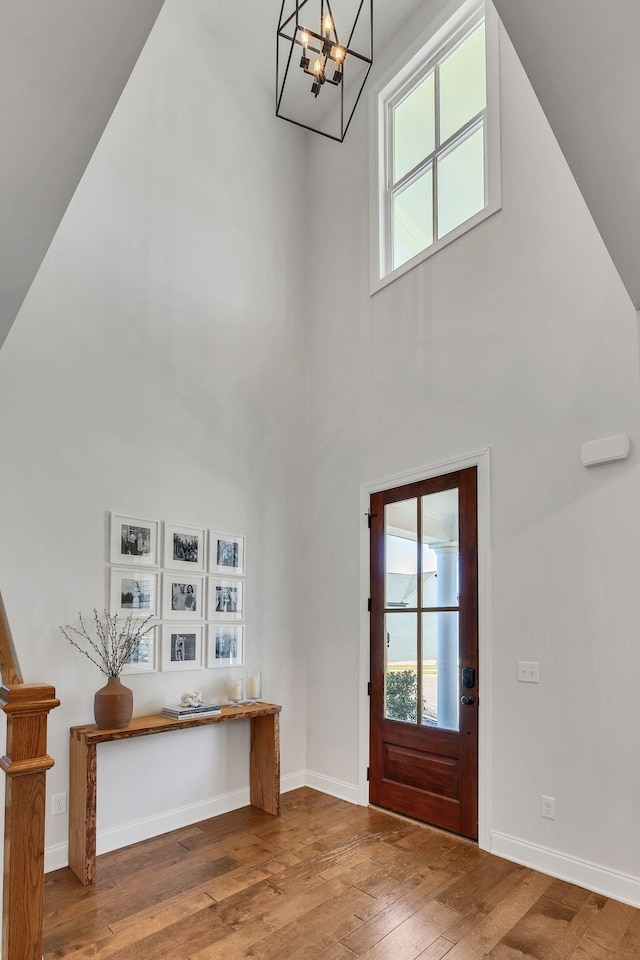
{"x":435,"y":146}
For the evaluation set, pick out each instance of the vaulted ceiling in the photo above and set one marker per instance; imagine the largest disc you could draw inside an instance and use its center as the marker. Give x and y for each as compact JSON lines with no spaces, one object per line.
{"x":582,"y":59}
{"x":64,"y":64}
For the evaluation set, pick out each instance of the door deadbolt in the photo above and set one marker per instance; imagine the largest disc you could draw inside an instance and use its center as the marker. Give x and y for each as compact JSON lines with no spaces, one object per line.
{"x":468,"y":678}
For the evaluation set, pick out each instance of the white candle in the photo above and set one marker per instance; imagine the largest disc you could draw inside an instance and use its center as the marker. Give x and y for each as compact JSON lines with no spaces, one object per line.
{"x":253,"y":686}
{"x":234,"y":690}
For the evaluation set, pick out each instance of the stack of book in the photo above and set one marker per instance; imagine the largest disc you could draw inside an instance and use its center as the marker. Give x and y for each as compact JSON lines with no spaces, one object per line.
{"x":188,"y":713}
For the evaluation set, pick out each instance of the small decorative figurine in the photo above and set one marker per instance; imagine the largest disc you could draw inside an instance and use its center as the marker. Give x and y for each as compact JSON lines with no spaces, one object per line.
{"x":191,"y":699}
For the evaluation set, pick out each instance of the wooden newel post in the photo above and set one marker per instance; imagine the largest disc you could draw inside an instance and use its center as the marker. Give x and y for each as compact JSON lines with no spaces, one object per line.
{"x":25,"y":763}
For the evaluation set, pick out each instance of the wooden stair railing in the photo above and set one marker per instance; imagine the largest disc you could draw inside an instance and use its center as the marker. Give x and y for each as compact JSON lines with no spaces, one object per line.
{"x":25,"y":763}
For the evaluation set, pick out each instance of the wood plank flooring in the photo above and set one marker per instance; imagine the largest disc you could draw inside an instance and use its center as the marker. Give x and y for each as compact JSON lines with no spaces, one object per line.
{"x":325,"y":881}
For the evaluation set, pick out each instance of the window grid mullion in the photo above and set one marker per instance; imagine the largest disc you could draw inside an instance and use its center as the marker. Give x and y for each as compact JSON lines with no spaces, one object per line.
{"x":460,"y":135}
{"x":413,"y":174}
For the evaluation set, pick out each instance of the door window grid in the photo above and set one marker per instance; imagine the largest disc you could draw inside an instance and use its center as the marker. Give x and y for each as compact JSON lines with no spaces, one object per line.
{"x":418,"y":613}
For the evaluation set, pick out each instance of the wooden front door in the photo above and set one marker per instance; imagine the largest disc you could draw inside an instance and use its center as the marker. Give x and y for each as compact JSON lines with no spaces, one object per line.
{"x":424,"y":651}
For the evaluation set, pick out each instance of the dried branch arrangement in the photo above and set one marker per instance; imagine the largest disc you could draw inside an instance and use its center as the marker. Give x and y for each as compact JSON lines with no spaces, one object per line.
{"x":115,"y":643}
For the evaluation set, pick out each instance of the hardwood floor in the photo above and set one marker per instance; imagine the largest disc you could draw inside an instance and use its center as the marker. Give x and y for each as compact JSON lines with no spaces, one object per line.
{"x":325,"y":881}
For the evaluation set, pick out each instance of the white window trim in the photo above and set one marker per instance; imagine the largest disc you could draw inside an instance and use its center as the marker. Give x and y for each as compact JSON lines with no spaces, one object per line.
{"x":416,"y":62}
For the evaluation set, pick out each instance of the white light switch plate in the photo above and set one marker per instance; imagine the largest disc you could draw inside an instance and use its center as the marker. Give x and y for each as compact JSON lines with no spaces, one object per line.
{"x":528,"y":671}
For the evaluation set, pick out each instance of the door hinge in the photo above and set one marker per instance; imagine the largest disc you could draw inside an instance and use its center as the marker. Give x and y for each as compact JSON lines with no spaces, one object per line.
{"x":369,"y":689}
{"x":369,"y":605}
{"x":368,"y":772}
{"x":369,"y":516}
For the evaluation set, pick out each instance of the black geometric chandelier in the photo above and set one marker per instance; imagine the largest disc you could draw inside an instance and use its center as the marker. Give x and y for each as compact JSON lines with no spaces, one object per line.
{"x":324,"y":55}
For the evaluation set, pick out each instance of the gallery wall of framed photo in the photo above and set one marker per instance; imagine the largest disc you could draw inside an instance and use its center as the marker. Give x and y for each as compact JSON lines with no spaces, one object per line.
{"x":190,"y":580}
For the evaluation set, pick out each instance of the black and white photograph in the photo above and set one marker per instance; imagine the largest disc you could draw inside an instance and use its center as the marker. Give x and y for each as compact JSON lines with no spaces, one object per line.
{"x":182,"y":597}
{"x":184,"y":547}
{"x":133,"y":591}
{"x":144,"y":659}
{"x":133,"y":541}
{"x":182,"y":646}
{"x":226,"y":554}
{"x":226,"y":599}
{"x":135,"y":594}
{"x":225,"y":644}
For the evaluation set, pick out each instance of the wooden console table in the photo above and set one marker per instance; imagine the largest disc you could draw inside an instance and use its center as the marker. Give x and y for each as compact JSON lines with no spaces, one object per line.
{"x":83,"y":770}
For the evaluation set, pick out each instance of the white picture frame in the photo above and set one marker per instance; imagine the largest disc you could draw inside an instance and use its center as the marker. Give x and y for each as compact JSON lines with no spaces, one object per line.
{"x":145,"y":659}
{"x":226,"y":554}
{"x":133,"y":591}
{"x":133,"y":541}
{"x":184,"y":547}
{"x":182,"y":646}
{"x":225,"y":598}
{"x":225,"y":645}
{"x":182,"y":596}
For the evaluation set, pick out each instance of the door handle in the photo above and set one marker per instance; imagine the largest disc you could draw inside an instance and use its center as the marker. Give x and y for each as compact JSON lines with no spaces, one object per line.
{"x":468,"y":678}
{"x":467,"y":701}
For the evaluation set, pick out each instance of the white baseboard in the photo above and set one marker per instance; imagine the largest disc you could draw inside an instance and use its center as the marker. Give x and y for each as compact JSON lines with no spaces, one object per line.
{"x":293,"y":781}
{"x":137,"y":830}
{"x":335,"y":788}
{"x":56,"y":857}
{"x":590,"y":875}
{"x":594,"y":877}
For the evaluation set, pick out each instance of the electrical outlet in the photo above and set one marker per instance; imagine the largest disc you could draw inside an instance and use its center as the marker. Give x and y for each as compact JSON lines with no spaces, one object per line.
{"x":528,"y":671}
{"x":548,"y":807}
{"x":58,"y":803}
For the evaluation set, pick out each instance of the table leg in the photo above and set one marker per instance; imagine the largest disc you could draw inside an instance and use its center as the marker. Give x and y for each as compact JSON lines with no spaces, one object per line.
{"x":265,"y":763}
{"x":82,"y":809}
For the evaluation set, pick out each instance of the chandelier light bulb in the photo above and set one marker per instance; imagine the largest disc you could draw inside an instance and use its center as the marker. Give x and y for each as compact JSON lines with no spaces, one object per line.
{"x":317,"y":67}
{"x":328,"y":24}
{"x":304,"y":38}
{"x":339,"y":54}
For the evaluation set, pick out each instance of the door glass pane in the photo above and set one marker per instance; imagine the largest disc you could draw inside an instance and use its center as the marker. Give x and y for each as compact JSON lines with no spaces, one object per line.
{"x":412,"y":218}
{"x":401,"y":667}
{"x":440,"y":670}
{"x":463,"y":84}
{"x":401,"y":555}
{"x":414,"y":129}
{"x":461,"y":183}
{"x":440,"y":564}
{"x":440,"y":549}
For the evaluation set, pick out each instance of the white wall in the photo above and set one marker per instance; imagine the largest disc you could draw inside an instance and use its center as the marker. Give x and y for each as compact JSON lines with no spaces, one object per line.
{"x":518,"y":337}
{"x":157,"y":369}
